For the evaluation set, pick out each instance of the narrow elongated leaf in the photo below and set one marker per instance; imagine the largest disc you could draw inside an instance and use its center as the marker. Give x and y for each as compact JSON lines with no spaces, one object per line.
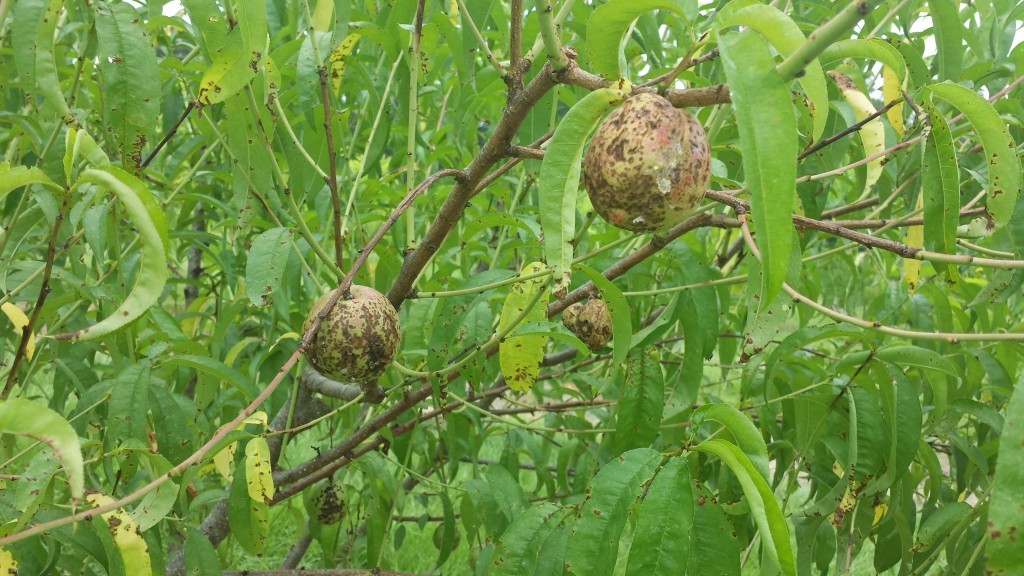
{"x":892,"y":90}
{"x":714,"y":548}
{"x":1004,"y":178}
{"x":264,"y":269}
{"x":914,"y":238}
{"x":949,"y":52}
{"x":767,"y":127}
{"x":872,"y":49}
{"x":155,"y":505}
{"x":339,"y":56}
{"x":743,"y":430}
{"x":201,"y":558}
{"x":258,"y":478}
{"x":618,"y":307}
{"x":249,"y":519}
{"x":520,"y":356}
{"x":904,"y":355}
{"x":14,"y":178}
{"x":594,"y":540}
{"x":1005,"y":520}
{"x":866,"y":433}
{"x":901,"y":410}
{"x":560,"y":179}
{"x":8,"y":565}
{"x":26,"y":418}
{"x":127,"y":537}
{"x":608,"y":24}
{"x":940,"y":188}
{"x":939,"y":523}
{"x":786,"y":37}
{"x":35,"y":22}
{"x":641,"y":384}
{"x":148,"y":220}
{"x":661,"y":541}
{"x":237,"y":62}
{"x":129,"y":403}
{"x":130,"y":82}
{"x":521,"y":543}
{"x":872,"y":133}
{"x":692,"y":369}
{"x":764,"y":508}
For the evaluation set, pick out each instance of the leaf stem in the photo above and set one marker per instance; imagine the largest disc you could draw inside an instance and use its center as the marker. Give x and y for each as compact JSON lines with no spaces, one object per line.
{"x":549,"y":32}
{"x":467,"y":20}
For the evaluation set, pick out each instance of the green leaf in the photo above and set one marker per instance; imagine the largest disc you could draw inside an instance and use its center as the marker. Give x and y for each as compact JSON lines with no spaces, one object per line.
{"x":743,"y":430}
{"x":714,"y":547}
{"x":641,"y":385}
{"x":521,"y":543}
{"x":692,"y":369}
{"x":904,"y":355}
{"x":767,"y":127}
{"x":201,"y":558}
{"x":264,"y":268}
{"x":156,"y":505}
{"x":213,"y":367}
{"x":34,"y":27}
{"x":872,"y":49}
{"x":608,"y":24}
{"x":661,"y":541}
{"x":236,"y":63}
{"x":949,"y":51}
{"x":622,"y":324}
{"x":560,"y":179}
{"x":941,"y":523}
{"x":866,"y":429}
{"x":763,"y":506}
{"x":129,"y":403}
{"x":786,"y":37}
{"x":26,"y":418}
{"x":1004,"y":177}
{"x":520,"y":356}
{"x":13,"y":178}
{"x":148,"y":220}
{"x":940,"y":187}
{"x":1005,"y":520}
{"x":901,"y":410}
{"x":594,"y":540}
{"x":130,"y":81}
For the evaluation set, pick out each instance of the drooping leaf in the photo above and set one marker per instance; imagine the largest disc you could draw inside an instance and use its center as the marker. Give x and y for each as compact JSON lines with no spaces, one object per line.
{"x":748,"y":437}
{"x":20,"y":321}
{"x":520,"y":356}
{"x":870,"y":48}
{"x":148,"y":220}
{"x":608,"y":24}
{"x":767,"y":128}
{"x":27,"y":418}
{"x":594,"y":538}
{"x":1004,"y":172}
{"x":786,"y":37}
{"x":34,"y":27}
{"x":940,"y":188}
{"x":560,"y":179}
{"x":764,"y":508}
{"x":264,"y":268}
{"x":949,"y":29}
{"x":872,"y":133}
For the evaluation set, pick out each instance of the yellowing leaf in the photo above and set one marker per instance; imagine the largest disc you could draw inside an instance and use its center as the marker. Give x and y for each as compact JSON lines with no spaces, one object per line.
{"x":520,"y":356}
{"x":914,"y":239}
{"x":339,"y":55}
{"x":127,"y":537}
{"x":258,"y":478}
{"x":20,"y":320}
{"x":322,"y":15}
{"x":872,"y":134}
{"x":891,"y":90}
{"x":224,"y":459}
{"x":8,"y":565}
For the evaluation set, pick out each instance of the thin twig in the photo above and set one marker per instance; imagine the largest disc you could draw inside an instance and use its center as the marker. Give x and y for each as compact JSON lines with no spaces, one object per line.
{"x":170,"y":133}
{"x":332,"y":174}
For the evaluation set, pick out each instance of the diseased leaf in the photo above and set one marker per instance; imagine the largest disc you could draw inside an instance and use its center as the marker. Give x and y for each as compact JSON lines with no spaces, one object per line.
{"x":34,"y":27}
{"x":521,"y":543}
{"x":237,"y":62}
{"x":249,"y":519}
{"x":520,"y":356}
{"x":594,"y":538}
{"x":264,"y":268}
{"x":661,"y":540}
{"x":1005,"y":553}
{"x":126,"y":536}
{"x":258,"y":477}
{"x":618,"y":307}
{"x":940,"y":189}
{"x":641,"y":385}
{"x":767,"y":129}
{"x":872,"y":133}
{"x":20,"y":321}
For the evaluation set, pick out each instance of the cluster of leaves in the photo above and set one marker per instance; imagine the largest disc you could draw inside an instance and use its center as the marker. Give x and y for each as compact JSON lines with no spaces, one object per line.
{"x":785,"y":391}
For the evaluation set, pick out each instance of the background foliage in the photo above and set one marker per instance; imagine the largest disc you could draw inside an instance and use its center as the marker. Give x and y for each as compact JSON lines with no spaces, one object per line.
{"x":815,"y":373}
